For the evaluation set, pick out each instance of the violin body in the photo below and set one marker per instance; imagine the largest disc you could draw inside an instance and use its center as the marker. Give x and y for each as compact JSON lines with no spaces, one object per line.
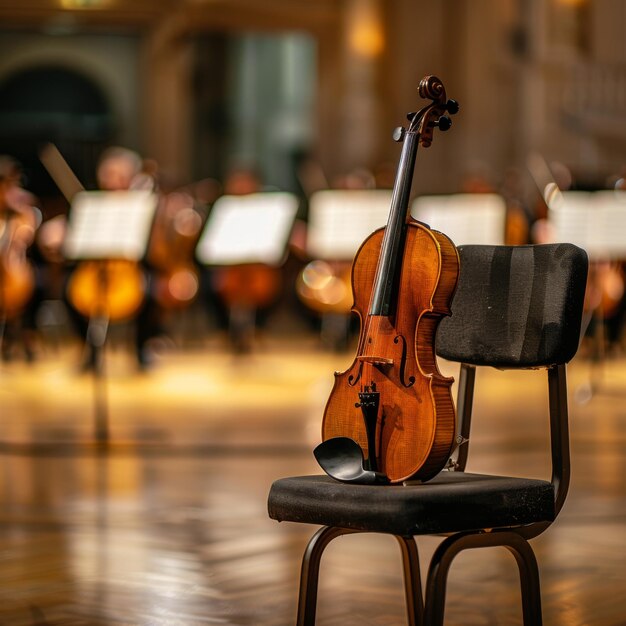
{"x":415,"y":425}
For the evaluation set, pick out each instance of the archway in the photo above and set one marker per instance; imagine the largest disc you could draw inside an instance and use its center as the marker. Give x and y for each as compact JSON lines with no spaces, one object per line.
{"x":53,"y":104}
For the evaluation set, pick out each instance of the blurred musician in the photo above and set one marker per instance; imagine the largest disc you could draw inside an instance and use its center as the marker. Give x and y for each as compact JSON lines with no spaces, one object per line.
{"x":225,"y":283}
{"x":479,"y":178}
{"x":605,"y":300}
{"x":19,"y":219}
{"x":242,"y":295}
{"x":121,"y":169}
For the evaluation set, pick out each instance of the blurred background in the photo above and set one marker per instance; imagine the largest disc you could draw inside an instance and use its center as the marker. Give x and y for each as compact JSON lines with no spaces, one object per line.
{"x":305,"y":98}
{"x":202,"y":86}
{"x":150,"y":393}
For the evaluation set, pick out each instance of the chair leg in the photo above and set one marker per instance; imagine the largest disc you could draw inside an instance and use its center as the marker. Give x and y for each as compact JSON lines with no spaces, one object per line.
{"x":529,"y":579}
{"x":450,"y":547}
{"x":309,"y":574}
{"x":412,"y":581}
{"x":435,"y":600}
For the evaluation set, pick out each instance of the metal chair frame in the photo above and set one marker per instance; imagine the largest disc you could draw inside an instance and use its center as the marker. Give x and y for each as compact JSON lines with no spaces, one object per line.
{"x":428,"y":609}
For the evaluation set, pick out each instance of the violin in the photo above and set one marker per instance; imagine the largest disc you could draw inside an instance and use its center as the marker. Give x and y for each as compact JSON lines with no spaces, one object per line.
{"x":392,"y":400}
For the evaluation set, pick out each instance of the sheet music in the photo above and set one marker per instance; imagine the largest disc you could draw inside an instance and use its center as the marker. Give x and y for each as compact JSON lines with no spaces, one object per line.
{"x":254,"y":228}
{"x":109,"y":225}
{"x":595,"y":221}
{"x":472,"y":218}
{"x":340,"y":220}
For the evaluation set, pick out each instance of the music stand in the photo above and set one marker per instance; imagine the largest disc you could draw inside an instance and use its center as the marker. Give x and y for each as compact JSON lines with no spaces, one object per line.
{"x":251,"y":229}
{"x":595,"y":221}
{"x":339,"y":221}
{"x":103,"y":226}
{"x":467,"y":218}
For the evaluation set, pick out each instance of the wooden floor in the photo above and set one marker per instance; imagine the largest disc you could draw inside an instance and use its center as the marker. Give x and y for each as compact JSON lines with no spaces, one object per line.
{"x":168,"y":526}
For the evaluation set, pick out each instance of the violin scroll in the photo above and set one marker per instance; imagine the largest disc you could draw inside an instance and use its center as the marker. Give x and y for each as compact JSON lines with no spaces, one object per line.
{"x":434,"y":115}
{"x":431,"y":88}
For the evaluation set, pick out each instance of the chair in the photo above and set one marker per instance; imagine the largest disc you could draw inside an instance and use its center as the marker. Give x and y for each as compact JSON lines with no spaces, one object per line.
{"x":515,"y":308}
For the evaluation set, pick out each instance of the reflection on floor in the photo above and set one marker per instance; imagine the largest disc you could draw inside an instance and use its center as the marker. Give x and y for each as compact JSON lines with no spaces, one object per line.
{"x":169,"y":526}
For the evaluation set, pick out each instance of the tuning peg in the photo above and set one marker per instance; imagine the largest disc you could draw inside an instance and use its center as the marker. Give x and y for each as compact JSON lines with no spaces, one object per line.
{"x":410,"y":116}
{"x":444,"y":123}
{"x":398,"y":133}
{"x":452,"y":107}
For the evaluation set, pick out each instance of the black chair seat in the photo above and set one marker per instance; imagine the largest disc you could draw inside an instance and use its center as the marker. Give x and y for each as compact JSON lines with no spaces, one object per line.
{"x":450,"y":502}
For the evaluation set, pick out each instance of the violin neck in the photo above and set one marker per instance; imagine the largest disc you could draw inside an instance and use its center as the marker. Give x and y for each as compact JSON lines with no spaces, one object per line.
{"x":384,"y":295}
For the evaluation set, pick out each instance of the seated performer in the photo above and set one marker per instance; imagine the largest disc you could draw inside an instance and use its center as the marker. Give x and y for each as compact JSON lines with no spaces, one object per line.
{"x":19,"y":219}
{"x":121,"y":169}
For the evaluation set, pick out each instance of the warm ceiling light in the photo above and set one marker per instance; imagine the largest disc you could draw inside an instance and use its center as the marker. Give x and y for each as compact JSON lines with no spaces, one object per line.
{"x":571,"y":3}
{"x":365,"y":30}
{"x":367,"y":39}
{"x":84,"y":4}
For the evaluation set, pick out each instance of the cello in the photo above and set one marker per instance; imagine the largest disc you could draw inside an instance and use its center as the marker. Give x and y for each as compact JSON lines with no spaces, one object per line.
{"x":173,"y":239}
{"x":18,"y":223}
{"x":113,"y":288}
{"x":17,"y":277}
{"x":392,"y":400}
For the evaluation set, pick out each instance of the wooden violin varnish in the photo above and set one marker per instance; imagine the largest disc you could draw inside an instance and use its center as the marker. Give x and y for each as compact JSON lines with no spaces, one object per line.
{"x":392,"y":400}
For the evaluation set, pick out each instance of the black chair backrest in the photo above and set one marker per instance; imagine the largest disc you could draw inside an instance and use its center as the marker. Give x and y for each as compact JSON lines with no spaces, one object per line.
{"x":516,"y":306}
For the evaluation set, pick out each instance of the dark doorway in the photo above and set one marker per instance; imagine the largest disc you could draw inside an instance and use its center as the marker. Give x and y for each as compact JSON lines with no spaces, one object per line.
{"x":254,"y":98}
{"x":59,"y":105}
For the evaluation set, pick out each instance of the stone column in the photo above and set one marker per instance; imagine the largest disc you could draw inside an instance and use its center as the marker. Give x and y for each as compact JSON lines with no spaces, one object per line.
{"x":359,"y":99}
{"x":165,"y":76}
